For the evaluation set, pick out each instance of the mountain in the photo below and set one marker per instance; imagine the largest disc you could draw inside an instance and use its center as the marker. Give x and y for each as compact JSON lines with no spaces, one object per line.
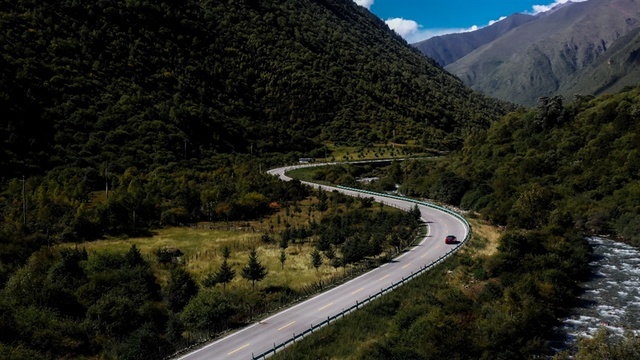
{"x":556,"y":53}
{"x":617,"y":68}
{"x":446,"y":49}
{"x":573,"y":164}
{"x":139,"y":83}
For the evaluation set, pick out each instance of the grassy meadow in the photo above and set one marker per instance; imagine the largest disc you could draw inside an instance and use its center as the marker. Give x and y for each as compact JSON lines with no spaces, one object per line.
{"x":202,"y":245}
{"x":372,"y":152}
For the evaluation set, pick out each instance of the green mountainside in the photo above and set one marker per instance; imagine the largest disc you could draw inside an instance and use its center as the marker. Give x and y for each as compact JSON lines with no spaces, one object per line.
{"x":574,"y":165}
{"x":136,"y":83}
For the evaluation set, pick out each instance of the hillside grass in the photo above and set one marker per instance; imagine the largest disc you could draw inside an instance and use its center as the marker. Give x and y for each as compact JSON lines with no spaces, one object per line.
{"x":484,"y":239}
{"x":307,"y":174}
{"x":202,"y":245}
{"x":373,"y":152}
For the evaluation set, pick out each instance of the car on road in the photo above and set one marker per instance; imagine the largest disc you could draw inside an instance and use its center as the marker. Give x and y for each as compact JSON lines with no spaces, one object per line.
{"x":450,"y":239}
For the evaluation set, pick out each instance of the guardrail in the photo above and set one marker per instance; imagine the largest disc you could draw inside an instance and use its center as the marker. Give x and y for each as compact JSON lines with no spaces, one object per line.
{"x":357,"y":305}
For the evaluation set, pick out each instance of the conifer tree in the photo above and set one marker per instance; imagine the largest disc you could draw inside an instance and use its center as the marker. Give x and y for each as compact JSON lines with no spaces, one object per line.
{"x":254,"y":270}
{"x":316,"y":259}
{"x":283,"y":258}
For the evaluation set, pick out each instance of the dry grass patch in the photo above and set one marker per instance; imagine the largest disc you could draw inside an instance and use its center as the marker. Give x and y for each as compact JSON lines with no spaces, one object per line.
{"x":484,"y":238}
{"x":202,"y":246}
{"x":376,"y":151}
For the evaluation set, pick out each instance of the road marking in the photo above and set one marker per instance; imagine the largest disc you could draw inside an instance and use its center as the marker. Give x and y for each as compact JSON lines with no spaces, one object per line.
{"x":238,"y":349}
{"x":324,"y":307}
{"x":286,"y":326}
{"x":357,"y":291}
{"x":384,"y":277}
{"x":424,"y":256}
{"x":406,"y":265}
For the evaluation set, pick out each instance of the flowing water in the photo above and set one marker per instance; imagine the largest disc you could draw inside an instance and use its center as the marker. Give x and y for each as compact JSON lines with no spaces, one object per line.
{"x":612,"y":297}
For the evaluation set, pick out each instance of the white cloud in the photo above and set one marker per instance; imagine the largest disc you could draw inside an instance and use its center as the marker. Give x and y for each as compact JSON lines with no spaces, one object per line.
{"x":536,"y":9}
{"x":414,"y":32}
{"x":402,"y":26}
{"x":495,"y":21}
{"x":364,"y":3}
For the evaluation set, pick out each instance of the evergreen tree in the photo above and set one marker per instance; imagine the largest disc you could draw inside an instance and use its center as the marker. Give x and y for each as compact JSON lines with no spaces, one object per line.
{"x":225,"y":274}
{"x":415,"y":212}
{"x":226,"y":252}
{"x":330,"y":253}
{"x":316,"y":259}
{"x":283,"y":258}
{"x":180,"y":290}
{"x":254,"y":270}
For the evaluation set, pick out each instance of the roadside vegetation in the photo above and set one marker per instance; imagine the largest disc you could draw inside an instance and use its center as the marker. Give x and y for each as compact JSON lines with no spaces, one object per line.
{"x":150,"y":296}
{"x":546,"y":176}
{"x":499,"y":299}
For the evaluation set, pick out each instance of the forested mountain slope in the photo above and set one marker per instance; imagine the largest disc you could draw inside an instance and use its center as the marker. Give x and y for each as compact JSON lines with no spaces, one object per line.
{"x":135,"y":83}
{"x":579,"y":47}
{"x":574,"y":165}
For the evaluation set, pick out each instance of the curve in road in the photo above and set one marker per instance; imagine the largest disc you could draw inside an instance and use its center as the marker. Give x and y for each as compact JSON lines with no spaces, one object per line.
{"x":268,"y":334}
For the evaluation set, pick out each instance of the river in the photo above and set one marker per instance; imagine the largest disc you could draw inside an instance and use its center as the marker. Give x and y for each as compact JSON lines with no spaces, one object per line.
{"x":611,"y":298}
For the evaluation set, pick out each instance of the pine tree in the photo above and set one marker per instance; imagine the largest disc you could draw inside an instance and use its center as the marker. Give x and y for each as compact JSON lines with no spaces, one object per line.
{"x":283,"y":258}
{"x":254,"y":271}
{"x":225,"y":274}
{"x":415,"y":212}
{"x":316,"y":259}
{"x":226,"y":252}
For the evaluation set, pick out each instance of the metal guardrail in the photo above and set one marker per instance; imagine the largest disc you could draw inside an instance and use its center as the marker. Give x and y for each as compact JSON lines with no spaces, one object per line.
{"x":357,"y":305}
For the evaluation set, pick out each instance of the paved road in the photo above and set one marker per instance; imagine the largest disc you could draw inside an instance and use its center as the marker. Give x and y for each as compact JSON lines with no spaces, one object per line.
{"x":262,"y":336}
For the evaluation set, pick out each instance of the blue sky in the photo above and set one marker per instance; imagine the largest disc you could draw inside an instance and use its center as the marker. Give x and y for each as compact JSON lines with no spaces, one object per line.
{"x":417,"y":20}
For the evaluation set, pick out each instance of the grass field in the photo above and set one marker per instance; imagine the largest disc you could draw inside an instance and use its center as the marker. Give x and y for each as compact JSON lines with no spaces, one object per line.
{"x":202,"y":245}
{"x":373,"y":152}
{"x":306,"y":174}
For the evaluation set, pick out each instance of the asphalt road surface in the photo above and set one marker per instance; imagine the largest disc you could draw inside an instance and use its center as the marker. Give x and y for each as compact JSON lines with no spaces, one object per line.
{"x":264,"y":335}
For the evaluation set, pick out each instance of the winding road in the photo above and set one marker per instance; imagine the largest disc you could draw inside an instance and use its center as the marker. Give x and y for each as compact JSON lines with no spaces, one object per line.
{"x":281,"y":327}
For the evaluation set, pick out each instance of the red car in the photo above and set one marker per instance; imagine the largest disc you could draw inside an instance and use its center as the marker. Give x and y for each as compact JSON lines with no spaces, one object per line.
{"x":450,"y":239}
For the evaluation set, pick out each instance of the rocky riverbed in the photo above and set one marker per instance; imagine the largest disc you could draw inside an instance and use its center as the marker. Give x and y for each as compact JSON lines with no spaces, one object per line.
{"x":611,"y":297}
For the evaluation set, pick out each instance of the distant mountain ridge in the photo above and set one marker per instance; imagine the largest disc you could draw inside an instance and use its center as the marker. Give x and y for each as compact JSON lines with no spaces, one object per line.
{"x":447,"y":49}
{"x":571,"y":48}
